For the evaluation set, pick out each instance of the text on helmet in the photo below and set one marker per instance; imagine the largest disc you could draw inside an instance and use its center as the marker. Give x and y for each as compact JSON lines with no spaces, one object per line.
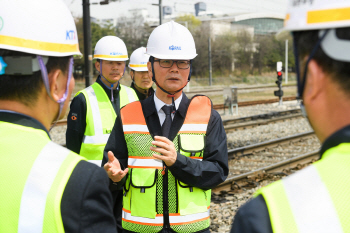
{"x":115,"y":53}
{"x":174,"y":47}
{"x":70,"y":35}
{"x":301,"y":2}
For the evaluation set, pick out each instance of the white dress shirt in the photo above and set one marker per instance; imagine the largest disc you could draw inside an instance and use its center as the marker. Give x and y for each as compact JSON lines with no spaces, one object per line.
{"x":159,"y":104}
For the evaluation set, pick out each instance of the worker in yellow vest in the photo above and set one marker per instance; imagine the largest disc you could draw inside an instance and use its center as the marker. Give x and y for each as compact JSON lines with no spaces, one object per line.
{"x":173,"y":149}
{"x":94,"y":109}
{"x":317,"y":198}
{"x":141,"y":81}
{"x":44,"y":186}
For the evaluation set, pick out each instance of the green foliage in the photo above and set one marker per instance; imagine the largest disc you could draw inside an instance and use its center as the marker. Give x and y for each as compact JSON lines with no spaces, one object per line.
{"x":97,"y":32}
{"x":240,"y":53}
{"x":190,"y":21}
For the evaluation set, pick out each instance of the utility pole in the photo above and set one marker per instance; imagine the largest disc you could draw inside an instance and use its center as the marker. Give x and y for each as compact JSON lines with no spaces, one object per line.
{"x":160,"y":11}
{"x":286,"y":64}
{"x":87,"y":43}
{"x":209,"y":56}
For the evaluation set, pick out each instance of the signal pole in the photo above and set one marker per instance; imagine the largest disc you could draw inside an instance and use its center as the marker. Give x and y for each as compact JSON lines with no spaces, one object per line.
{"x":279,"y":92}
{"x":160,"y":11}
{"x":209,"y":57}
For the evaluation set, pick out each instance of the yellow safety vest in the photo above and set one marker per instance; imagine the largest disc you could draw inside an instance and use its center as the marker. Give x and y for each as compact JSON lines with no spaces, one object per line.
{"x":100,"y":118}
{"x":34,"y":173}
{"x":315,"y":199}
{"x":143,"y":196}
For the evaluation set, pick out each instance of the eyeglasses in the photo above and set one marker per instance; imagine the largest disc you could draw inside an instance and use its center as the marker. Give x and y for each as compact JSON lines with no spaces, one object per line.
{"x":181,"y":64}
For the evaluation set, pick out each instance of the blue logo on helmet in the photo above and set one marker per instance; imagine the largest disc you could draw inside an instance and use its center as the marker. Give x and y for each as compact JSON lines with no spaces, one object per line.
{"x":115,"y":53}
{"x":70,"y":35}
{"x":174,"y":47}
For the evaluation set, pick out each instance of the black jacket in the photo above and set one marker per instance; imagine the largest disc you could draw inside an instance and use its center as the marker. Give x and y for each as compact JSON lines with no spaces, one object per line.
{"x":86,"y":204}
{"x":140,"y":95}
{"x":204,"y":174}
{"x":76,"y":120}
{"x":253,"y":217}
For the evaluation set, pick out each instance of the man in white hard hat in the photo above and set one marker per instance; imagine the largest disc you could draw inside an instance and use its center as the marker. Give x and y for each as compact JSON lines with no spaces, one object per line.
{"x":94,"y":109}
{"x":317,"y":198}
{"x":172,"y":148}
{"x":141,"y":81}
{"x":47,"y":188}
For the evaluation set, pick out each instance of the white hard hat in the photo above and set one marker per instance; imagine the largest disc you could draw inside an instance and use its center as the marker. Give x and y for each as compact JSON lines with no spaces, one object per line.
{"x":111,"y":48}
{"x":28,"y":26}
{"x":171,"y":41}
{"x":139,"y":59}
{"x":317,"y":14}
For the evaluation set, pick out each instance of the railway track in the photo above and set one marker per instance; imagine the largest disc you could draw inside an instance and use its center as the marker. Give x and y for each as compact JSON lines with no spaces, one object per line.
{"x":221,"y":106}
{"x":214,"y":90}
{"x":261,"y":119}
{"x":254,"y":161}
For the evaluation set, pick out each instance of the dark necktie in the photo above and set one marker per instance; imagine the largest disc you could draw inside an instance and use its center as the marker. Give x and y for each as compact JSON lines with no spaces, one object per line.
{"x":167,"y":122}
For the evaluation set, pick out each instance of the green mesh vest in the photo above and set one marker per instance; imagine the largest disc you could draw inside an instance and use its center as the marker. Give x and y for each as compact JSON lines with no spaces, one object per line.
{"x":100,"y":117}
{"x":31,"y":191}
{"x":315,"y":199}
{"x":143,"y":205}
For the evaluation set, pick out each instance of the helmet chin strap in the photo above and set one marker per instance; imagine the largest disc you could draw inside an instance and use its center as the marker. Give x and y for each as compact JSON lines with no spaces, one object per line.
{"x":47,"y":86}
{"x":301,"y":80}
{"x":172,"y":95}
{"x":112,"y":98}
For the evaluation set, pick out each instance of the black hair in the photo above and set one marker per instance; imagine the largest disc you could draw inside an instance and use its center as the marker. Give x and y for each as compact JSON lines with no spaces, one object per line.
{"x":339,"y":71}
{"x":26,"y":88}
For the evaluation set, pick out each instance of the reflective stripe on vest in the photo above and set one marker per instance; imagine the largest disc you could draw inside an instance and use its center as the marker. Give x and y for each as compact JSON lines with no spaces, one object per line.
{"x":191,"y":212}
{"x":315,"y":199}
{"x":318,"y":202}
{"x":174,"y":219}
{"x":95,"y":135}
{"x":37,"y":187}
{"x":33,"y":202}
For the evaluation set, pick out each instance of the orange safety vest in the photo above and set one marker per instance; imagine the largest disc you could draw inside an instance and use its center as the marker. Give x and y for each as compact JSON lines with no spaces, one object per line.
{"x":143,"y":191}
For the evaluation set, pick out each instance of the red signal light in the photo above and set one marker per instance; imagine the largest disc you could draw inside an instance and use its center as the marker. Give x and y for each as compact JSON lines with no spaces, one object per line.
{"x":279,"y":73}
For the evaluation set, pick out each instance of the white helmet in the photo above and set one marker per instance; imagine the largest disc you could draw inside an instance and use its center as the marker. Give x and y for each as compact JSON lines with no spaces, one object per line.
{"x":111,"y":48}
{"x":317,"y":14}
{"x":171,"y":41}
{"x":28,"y":26}
{"x":321,"y":15}
{"x":139,"y":59}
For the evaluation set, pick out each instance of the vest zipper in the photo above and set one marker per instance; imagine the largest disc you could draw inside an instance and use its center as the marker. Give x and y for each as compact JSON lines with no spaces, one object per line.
{"x":165,"y":198}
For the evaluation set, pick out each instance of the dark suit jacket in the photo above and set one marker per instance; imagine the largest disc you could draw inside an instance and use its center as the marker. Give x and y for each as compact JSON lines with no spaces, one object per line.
{"x":204,"y":174}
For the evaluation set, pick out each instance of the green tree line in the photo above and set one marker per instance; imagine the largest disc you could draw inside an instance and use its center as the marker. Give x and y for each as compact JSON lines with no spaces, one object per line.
{"x":238,"y":54}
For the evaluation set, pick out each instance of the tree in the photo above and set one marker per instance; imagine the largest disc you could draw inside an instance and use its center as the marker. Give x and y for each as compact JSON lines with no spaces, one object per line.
{"x":97,"y":32}
{"x":190,"y":21}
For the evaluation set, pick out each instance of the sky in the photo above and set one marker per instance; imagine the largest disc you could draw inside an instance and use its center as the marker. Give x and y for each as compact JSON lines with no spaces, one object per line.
{"x":122,"y":7}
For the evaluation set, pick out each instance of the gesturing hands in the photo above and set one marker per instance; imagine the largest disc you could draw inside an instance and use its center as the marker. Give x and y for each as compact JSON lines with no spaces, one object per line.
{"x":113,"y":169}
{"x":166,"y":148}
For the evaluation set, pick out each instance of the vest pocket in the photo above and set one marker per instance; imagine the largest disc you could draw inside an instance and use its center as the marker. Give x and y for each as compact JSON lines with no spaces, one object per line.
{"x":191,"y":199}
{"x":191,"y":145}
{"x":143,"y":192}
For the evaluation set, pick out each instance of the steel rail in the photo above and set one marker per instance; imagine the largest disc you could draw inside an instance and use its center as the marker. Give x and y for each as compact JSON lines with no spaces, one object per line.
{"x":237,"y":181}
{"x":246,"y":150}
{"x":251,"y":124}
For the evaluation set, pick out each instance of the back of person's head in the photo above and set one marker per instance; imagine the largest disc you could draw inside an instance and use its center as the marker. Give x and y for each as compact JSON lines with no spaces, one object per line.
{"x":338,"y":70}
{"x":321,"y":31}
{"x":36,"y":37}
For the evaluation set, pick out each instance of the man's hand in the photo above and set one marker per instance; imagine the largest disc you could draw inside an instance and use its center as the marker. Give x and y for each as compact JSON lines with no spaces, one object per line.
{"x":166,"y":148}
{"x":112,"y":167}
